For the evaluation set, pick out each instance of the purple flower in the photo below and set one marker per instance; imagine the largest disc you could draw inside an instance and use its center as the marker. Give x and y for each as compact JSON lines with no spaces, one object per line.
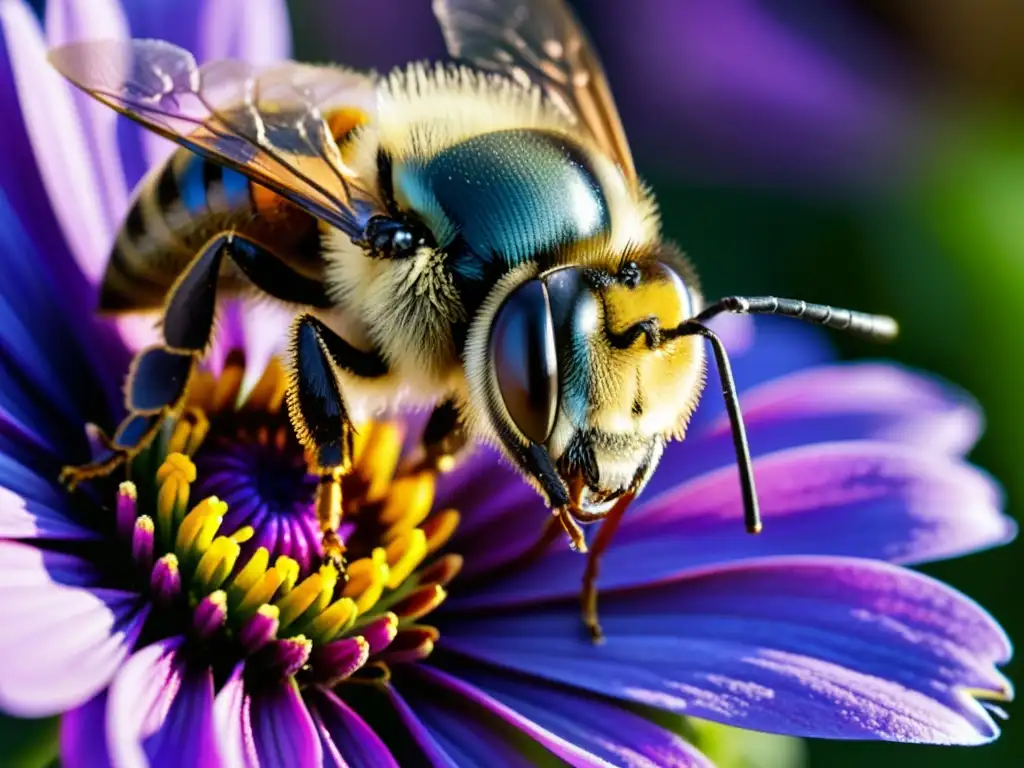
{"x":181,"y":617}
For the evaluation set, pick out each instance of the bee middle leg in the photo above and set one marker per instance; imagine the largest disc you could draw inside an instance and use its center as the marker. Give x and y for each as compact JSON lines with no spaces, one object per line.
{"x":317,"y":410}
{"x":159,"y":376}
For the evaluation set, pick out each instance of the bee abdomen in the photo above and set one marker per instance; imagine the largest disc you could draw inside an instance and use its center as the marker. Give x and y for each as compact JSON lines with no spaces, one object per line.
{"x":178,"y":206}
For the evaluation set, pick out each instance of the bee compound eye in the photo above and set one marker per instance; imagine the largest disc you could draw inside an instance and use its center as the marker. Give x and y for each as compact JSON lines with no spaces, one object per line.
{"x":522,"y":354}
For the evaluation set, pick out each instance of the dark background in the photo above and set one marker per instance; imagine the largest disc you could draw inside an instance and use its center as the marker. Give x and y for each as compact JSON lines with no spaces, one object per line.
{"x":867,"y":153}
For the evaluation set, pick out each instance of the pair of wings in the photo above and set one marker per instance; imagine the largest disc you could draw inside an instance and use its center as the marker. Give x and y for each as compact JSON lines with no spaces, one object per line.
{"x":272,"y":124}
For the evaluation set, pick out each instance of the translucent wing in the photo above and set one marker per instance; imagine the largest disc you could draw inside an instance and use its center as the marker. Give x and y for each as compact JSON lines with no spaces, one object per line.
{"x":541,"y":42}
{"x":270,"y":124}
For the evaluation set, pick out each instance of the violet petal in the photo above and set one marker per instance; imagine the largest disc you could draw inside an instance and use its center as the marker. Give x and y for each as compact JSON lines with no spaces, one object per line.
{"x":60,"y":148}
{"x":346,"y":738}
{"x":22,"y":518}
{"x":70,"y":21}
{"x":818,"y":647}
{"x":268,"y":727}
{"x":863,"y":499}
{"x":579,"y":729}
{"x":160,"y":711}
{"x":79,"y":746}
{"x":68,"y":640}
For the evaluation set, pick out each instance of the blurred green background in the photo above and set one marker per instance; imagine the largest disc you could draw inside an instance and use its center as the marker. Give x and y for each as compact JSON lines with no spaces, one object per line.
{"x":867,"y":153}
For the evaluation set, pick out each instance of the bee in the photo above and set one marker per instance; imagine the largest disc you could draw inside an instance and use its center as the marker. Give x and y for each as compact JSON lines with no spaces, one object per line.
{"x":474,"y":237}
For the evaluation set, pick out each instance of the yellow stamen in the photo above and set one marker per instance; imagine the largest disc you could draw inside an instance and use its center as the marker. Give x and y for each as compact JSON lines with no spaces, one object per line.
{"x":440,"y":528}
{"x":420,"y":602}
{"x":217,"y":563}
{"x":328,"y":581}
{"x":404,"y":554}
{"x":289,"y":570}
{"x":261,"y":592}
{"x":333,"y":621}
{"x":250,"y":574}
{"x":198,"y":528}
{"x":225,"y":391}
{"x":409,"y":501}
{"x":295,"y":603}
{"x":366,"y":579}
{"x":270,"y":390}
{"x":175,"y":477}
{"x":189,"y":432}
{"x":379,"y":458}
{"x":128,"y":489}
{"x":243,"y":534}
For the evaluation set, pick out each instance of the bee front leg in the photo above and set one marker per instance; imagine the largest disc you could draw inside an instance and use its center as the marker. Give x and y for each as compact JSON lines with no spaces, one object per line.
{"x":159,"y":376}
{"x":588,"y":596}
{"x":317,"y":410}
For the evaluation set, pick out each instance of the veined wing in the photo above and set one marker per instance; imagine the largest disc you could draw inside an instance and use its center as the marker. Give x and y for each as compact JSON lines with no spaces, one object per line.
{"x":271,"y":124}
{"x":540,"y":42}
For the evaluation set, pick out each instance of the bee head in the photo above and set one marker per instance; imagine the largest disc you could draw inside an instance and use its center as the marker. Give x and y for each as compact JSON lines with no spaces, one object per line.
{"x":573,"y":377}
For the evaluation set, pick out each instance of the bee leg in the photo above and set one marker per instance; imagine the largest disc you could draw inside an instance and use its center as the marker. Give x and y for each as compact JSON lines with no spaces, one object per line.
{"x":159,"y":376}
{"x":588,"y":596}
{"x":321,"y":421}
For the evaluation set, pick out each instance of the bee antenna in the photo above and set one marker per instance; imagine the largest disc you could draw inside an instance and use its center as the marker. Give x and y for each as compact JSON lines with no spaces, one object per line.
{"x":751,"y":511}
{"x":879,"y":327}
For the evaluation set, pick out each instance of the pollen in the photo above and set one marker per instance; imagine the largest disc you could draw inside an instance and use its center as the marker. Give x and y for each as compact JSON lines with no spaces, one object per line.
{"x":287,"y":615}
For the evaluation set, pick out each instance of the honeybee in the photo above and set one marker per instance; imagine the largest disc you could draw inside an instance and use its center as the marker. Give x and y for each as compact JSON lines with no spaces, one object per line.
{"x":473,"y":237}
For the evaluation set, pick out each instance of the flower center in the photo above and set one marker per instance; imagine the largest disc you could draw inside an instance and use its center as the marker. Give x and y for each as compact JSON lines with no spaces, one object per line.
{"x":220,"y":522}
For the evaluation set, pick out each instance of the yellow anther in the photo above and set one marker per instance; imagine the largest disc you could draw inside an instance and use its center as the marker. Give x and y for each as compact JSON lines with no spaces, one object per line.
{"x":250,"y":574}
{"x":171,"y":503}
{"x":289,"y":570}
{"x":225,"y":391}
{"x":404,"y":554}
{"x":328,"y":581}
{"x":270,"y":390}
{"x":366,"y":579}
{"x":176,"y":463}
{"x":295,"y":603}
{"x":217,"y":563}
{"x":199,"y":527}
{"x":261,"y":592}
{"x":379,"y":458}
{"x":409,"y":501}
{"x":338,"y":617}
{"x":128,"y":489}
{"x":440,"y":528}
{"x":243,"y":534}
{"x":189,"y":432}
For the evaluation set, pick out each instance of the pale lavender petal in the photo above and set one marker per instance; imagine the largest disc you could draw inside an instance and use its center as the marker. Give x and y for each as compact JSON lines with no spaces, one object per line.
{"x":347,"y":741}
{"x":57,"y":139}
{"x":856,"y":401}
{"x":79,"y":745}
{"x":63,"y":640}
{"x":863,"y":499}
{"x":265,"y":728}
{"x":265,"y":330}
{"x":818,"y":647}
{"x":70,"y":21}
{"x":22,"y":518}
{"x":160,"y":711}
{"x":582,"y":730}
{"x":257,"y":31}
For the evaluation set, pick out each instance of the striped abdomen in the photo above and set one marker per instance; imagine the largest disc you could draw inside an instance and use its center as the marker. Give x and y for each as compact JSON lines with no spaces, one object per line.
{"x":182,"y":204}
